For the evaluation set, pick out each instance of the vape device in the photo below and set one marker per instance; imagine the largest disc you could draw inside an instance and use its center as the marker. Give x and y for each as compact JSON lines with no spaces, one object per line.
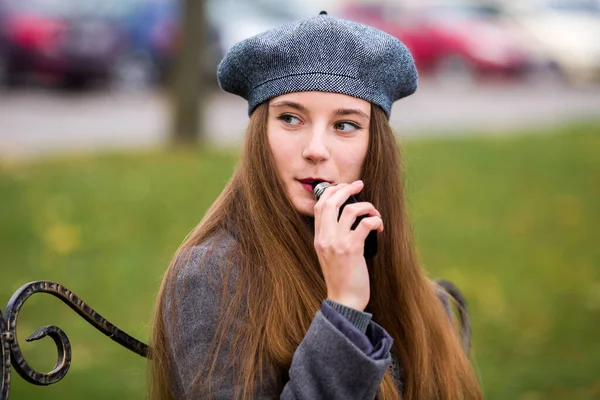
{"x":371,"y":240}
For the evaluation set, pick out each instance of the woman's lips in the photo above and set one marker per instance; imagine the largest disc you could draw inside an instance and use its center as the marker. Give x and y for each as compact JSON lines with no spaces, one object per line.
{"x":307,"y":186}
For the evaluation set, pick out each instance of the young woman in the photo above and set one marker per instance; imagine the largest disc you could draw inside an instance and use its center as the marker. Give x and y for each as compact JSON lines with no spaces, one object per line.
{"x":270,"y":296}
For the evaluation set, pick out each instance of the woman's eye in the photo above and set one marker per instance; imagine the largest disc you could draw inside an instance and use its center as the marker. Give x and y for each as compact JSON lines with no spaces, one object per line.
{"x":346,"y":126}
{"x":289,"y":119}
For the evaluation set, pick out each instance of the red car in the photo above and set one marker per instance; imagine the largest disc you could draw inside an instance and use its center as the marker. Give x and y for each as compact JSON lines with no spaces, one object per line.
{"x":465,"y":41}
{"x":50,"y":38}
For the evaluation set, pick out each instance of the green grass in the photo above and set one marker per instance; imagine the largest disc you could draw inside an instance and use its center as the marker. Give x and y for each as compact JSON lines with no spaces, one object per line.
{"x":513,"y":221}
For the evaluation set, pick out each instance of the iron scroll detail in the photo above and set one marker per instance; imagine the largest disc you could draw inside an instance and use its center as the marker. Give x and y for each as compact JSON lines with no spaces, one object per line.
{"x":10,"y":351}
{"x":4,"y":359}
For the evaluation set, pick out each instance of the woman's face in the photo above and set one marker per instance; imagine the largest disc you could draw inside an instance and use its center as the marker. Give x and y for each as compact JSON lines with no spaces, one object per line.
{"x":317,"y":136}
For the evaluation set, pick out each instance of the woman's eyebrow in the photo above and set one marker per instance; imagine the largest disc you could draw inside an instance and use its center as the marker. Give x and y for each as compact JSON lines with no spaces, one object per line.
{"x":338,"y":112}
{"x":291,"y":104}
{"x":350,"y":111}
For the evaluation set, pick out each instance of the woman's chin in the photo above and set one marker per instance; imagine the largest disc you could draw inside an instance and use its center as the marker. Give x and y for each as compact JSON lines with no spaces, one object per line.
{"x":305,"y":207}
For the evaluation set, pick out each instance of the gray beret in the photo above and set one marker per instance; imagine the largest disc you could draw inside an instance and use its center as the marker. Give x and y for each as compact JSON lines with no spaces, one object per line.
{"x":324,"y":54}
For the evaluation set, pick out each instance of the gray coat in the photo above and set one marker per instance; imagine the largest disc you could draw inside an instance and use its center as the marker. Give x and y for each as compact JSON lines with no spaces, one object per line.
{"x":326,"y":364}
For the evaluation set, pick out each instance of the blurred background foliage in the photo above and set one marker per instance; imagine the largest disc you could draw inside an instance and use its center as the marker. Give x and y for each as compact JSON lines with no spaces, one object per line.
{"x":512,"y":220}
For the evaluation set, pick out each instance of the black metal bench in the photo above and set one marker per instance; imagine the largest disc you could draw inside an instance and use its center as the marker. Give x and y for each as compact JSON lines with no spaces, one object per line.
{"x":10,"y":351}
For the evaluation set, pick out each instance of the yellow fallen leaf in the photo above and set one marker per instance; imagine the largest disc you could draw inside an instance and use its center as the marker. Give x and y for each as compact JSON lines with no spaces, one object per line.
{"x":62,"y":238}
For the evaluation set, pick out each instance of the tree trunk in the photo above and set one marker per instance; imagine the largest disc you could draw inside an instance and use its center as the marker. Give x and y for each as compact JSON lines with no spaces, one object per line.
{"x":188,"y":89}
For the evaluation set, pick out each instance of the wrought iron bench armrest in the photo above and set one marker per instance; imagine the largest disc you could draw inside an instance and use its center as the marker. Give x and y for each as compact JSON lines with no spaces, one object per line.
{"x":10,"y":351}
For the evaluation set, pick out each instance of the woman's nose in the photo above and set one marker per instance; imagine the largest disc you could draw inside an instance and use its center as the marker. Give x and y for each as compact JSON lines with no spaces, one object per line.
{"x":316,"y":149}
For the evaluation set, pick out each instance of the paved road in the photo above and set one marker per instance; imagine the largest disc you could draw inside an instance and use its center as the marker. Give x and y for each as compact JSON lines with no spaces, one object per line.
{"x":35,"y":121}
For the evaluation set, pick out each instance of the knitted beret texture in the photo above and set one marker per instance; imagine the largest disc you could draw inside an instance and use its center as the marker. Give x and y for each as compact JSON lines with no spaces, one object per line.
{"x":320,"y":53}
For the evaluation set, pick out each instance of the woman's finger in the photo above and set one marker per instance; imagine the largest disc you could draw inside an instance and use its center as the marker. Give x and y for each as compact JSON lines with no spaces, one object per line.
{"x":340,"y":197}
{"x":353,"y":211}
{"x":319,"y":206}
{"x":330,"y":208}
{"x":367,"y":225}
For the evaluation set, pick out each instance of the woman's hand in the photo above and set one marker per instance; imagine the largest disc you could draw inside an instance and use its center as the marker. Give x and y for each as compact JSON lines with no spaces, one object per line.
{"x":340,"y":250}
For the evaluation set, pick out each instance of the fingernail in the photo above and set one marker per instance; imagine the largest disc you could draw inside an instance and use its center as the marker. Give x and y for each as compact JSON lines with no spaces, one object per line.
{"x":358,"y":182}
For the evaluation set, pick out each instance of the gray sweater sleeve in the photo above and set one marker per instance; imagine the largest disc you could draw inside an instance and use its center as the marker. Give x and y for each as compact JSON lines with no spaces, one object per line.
{"x":359,"y":319}
{"x":326,"y":364}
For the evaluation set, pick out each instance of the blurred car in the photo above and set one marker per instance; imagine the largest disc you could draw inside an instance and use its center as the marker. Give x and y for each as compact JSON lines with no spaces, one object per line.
{"x":59,"y":38}
{"x":452,"y":42}
{"x":564,"y":33}
{"x":129,"y":43}
{"x":151,"y":30}
{"x":236,"y":20}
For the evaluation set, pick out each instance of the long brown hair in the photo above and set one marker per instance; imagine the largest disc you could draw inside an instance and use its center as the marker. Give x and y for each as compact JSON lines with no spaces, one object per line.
{"x":280,"y":285}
